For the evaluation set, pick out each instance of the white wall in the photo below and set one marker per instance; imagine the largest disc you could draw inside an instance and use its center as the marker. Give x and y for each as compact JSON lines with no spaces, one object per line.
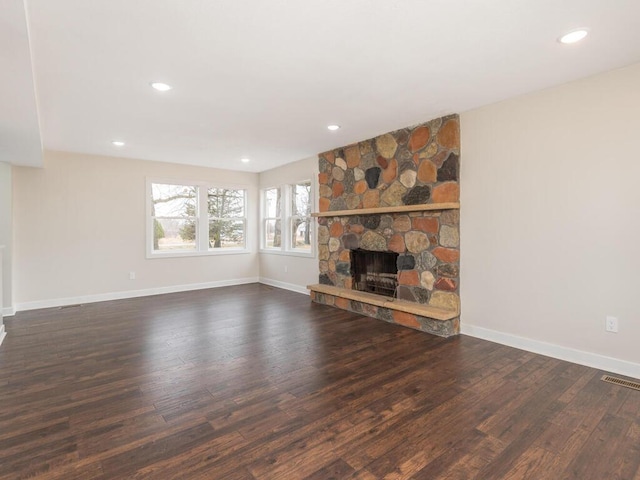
{"x":2,"y":330}
{"x":6,"y":236}
{"x":79,"y":226}
{"x":301,"y":271}
{"x":550,"y":220}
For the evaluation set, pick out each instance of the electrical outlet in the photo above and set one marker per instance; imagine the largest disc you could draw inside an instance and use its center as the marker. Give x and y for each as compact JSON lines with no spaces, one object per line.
{"x":286,"y":269}
{"x":132,"y":275}
{"x":611,"y":324}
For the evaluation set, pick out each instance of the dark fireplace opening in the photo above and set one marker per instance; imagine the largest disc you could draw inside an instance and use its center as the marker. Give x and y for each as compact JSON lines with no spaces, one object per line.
{"x":374,"y":272}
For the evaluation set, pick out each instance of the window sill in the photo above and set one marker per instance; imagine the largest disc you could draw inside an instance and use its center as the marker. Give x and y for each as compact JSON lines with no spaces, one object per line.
{"x":213,"y":253}
{"x":288,"y":253}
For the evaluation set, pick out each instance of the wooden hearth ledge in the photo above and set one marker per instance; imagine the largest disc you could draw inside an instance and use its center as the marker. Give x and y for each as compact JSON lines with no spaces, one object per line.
{"x":386,"y":302}
{"x":398,"y":209}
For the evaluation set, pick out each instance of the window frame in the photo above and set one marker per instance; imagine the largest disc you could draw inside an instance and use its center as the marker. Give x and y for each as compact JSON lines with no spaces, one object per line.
{"x":286,"y":220}
{"x":292,"y":216}
{"x":264,"y":219}
{"x":209,"y":218}
{"x":153,"y":218}
{"x":201,"y":220}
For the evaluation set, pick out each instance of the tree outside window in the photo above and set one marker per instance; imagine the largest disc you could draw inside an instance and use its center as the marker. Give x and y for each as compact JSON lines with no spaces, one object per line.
{"x":272,"y":218}
{"x":226,"y":218}
{"x":173,"y":209}
{"x":301,"y":216}
{"x":226,"y":210}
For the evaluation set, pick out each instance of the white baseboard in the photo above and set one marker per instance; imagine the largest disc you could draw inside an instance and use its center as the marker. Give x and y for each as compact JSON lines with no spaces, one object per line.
{"x":102,"y":297}
{"x":601,"y":362}
{"x":2,"y":334}
{"x":287,"y":286}
{"x":8,"y":311}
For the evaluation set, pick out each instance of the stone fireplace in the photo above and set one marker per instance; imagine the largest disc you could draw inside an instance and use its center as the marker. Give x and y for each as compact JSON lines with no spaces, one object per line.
{"x":388,"y":227}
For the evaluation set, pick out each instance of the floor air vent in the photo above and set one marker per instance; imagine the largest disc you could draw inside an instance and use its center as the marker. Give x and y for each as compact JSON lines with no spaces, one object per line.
{"x":621,"y":382}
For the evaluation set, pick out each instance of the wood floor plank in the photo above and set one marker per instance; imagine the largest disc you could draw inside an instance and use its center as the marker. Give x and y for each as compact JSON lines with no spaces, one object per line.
{"x":337,"y":470}
{"x":126,"y":463}
{"x":252,"y":382}
{"x":197,"y":461}
{"x":598,"y":445}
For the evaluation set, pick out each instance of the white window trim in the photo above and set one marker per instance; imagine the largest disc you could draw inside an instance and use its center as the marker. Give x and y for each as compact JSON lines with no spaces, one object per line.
{"x":201,"y":226}
{"x":285,"y":221}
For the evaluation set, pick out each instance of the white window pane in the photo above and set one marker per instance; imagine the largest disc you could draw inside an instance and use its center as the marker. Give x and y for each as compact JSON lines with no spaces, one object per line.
{"x":301,"y":233}
{"x":226,"y":234}
{"x":301,"y":199}
{"x":173,"y":200}
{"x":225,"y":203}
{"x":273,"y":235}
{"x":272,"y":202}
{"x":170,"y":234}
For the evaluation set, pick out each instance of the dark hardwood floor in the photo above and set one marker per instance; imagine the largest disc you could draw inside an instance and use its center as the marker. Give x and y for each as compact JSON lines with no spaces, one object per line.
{"x":252,"y":382}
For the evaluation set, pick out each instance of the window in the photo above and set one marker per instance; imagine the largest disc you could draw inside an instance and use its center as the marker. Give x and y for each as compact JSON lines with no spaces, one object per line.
{"x":272,"y":228}
{"x":227,"y":218}
{"x":287,"y":226}
{"x":300,"y":219}
{"x":195,"y":219}
{"x":173,"y":211}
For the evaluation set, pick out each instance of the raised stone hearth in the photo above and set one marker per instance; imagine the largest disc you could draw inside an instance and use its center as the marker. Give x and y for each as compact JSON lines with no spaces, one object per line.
{"x":438,"y":321}
{"x":405,"y":183}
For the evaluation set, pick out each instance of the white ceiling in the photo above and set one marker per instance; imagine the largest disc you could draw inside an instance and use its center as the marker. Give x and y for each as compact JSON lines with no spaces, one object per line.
{"x":263,"y":79}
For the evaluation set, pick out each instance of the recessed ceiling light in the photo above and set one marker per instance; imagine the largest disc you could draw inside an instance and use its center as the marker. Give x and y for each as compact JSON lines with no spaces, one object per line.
{"x":161,"y":87}
{"x":117,"y":143}
{"x":245,"y":160}
{"x":574,"y":36}
{"x":333,"y":127}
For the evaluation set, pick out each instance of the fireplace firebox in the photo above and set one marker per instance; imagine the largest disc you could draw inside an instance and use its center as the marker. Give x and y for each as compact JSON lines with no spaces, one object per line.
{"x":375,"y":272}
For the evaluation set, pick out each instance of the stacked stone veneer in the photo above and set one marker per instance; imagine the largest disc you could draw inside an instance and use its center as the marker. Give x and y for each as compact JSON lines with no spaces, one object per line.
{"x":411,"y":166}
